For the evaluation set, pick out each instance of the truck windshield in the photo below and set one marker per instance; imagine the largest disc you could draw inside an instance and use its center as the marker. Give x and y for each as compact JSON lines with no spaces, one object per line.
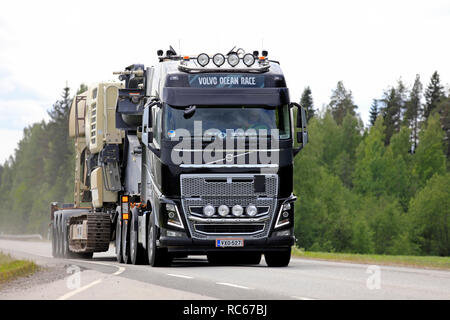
{"x":218,"y":119}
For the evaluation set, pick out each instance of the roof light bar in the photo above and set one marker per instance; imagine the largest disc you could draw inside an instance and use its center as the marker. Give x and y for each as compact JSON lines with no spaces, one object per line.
{"x":233,"y":59}
{"x":249,"y":59}
{"x":203,"y":59}
{"x":218,"y":59}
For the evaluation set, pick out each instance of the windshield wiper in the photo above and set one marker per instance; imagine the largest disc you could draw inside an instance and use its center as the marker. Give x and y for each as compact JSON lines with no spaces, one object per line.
{"x":189,"y":111}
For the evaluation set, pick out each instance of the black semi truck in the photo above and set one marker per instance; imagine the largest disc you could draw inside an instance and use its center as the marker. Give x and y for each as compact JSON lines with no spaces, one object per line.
{"x":193,"y":156}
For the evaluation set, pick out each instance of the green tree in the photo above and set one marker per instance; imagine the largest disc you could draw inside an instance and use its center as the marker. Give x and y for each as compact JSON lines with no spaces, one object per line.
{"x":341,"y":103}
{"x":433,"y":94}
{"x":414,"y":111}
{"x":430,"y":213}
{"x":374,"y":111}
{"x":430,"y":157}
{"x":394,"y":103}
{"x":370,"y":164}
{"x":306,"y":102}
{"x":443,"y":109}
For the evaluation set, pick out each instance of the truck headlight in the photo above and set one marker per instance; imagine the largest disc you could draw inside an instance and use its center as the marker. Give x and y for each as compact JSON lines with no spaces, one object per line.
{"x":284,"y":215}
{"x":237,"y":210}
{"x":209,"y":210}
{"x":223,"y":210}
{"x":173,"y":216}
{"x":251,"y":210}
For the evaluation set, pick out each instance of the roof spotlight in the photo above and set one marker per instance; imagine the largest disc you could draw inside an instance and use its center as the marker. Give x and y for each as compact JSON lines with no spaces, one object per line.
{"x":249,"y":59}
{"x":218,"y":59}
{"x":203,"y":59}
{"x":233,"y":59}
{"x":265,"y":53}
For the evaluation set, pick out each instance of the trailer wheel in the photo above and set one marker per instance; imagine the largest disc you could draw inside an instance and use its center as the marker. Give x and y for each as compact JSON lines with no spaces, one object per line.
{"x":125,"y":242}
{"x":58,"y":240}
{"x":137,"y":252}
{"x":54,"y":244}
{"x":157,"y":257}
{"x":278,"y":258}
{"x":65,"y":253}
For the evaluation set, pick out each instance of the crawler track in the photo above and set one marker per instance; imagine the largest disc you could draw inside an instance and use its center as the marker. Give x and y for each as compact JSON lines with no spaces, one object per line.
{"x":98,"y":232}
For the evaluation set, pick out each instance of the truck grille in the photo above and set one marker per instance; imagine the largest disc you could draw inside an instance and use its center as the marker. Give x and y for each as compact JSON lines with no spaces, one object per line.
{"x":217,"y":189}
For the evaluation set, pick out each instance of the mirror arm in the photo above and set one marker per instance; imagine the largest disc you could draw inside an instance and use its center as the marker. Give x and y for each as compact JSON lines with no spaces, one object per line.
{"x":297,"y":150}
{"x":157,"y":152}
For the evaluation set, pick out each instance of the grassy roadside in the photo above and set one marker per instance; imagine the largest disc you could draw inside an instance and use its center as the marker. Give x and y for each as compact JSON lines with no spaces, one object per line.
{"x":404,"y":261}
{"x":11,"y":268}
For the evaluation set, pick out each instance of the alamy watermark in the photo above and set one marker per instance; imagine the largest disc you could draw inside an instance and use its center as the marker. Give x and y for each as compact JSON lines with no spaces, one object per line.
{"x":373,"y":282}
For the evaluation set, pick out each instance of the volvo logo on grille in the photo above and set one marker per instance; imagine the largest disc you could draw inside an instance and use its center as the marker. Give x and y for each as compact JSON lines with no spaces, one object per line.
{"x":229,"y":157}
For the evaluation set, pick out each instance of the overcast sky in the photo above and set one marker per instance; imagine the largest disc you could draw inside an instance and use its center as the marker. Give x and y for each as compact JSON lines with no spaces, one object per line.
{"x":367,"y":44}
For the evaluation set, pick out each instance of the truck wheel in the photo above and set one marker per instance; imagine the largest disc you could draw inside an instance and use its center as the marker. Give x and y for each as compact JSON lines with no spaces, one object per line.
{"x":125,"y":242}
{"x":58,"y":241}
{"x":119,"y":240}
{"x":65,"y":245}
{"x":278,"y":258}
{"x":54,"y":236}
{"x":137,"y":252}
{"x":157,"y":257}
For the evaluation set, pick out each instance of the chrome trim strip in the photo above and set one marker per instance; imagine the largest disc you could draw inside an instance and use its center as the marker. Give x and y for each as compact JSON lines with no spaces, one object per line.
{"x":231,"y":233}
{"x":270,"y":165}
{"x":225,"y":220}
{"x":229,"y":150}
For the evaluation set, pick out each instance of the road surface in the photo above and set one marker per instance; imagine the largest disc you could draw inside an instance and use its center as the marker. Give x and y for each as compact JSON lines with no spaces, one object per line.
{"x":193,"y":278}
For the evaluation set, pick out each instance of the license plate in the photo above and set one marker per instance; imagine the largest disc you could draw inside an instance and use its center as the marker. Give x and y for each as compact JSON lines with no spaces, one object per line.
{"x":222,"y":243}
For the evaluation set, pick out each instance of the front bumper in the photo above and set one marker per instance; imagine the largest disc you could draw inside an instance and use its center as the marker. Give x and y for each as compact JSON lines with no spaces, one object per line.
{"x":201,"y":246}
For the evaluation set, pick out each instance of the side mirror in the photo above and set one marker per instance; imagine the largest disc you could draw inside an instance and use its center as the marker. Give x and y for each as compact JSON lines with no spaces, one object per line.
{"x":302,"y":135}
{"x":147,"y":134}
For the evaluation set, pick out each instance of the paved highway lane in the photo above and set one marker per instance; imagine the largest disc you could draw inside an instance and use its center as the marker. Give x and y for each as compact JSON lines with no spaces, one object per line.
{"x":193,"y":278}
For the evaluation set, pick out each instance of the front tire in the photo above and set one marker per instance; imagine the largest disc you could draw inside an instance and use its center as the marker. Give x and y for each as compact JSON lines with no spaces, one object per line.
{"x":137,"y":252}
{"x":157,"y":257}
{"x":278,"y":258}
{"x":119,"y":240}
{"x":125,"y":242}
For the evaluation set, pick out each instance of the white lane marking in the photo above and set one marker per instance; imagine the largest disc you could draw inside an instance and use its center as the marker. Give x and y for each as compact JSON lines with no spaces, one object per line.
{"x":232,"y":285}
{"x":302,"y":298}
{"x":121,"y":269}
{"x":179,"y":276}
{"x":72,"y":293}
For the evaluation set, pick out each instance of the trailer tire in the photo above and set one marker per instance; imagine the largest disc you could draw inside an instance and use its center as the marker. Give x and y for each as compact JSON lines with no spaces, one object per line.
{"x":278,"y":258}
{"x":58,"y":240}
{"x":125,"y":242}
{"x":157,"y":257}
{"x":54,"y":238}
{"x":65,"y":244}
{"x":119,"y":239}
{"x":137,"y":252}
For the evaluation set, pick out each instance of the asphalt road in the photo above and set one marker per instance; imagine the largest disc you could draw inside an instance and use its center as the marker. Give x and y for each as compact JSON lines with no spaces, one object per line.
{"x":193,"y":278}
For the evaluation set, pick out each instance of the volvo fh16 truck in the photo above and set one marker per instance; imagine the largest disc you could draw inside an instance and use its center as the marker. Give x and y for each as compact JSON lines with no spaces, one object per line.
{"x":193,"y":156}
